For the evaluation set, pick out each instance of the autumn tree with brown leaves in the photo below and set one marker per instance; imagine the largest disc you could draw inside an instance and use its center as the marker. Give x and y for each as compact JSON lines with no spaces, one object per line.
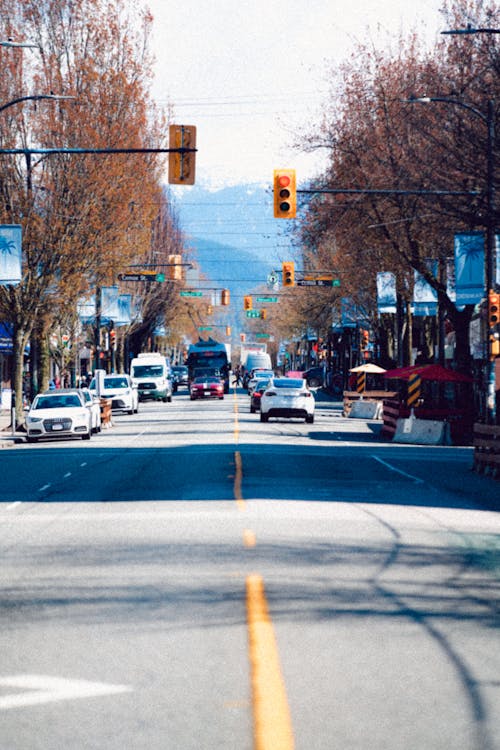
{"x":75,"y":209}
{"x":379,"y":141}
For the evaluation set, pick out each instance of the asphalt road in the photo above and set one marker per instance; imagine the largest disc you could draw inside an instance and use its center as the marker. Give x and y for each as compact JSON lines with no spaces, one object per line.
{"x":192,"y":578}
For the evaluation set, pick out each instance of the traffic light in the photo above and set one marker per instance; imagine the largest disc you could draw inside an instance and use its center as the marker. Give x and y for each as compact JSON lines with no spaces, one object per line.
{"x":228,"y":330}
{"x":365,"y":338}
{"x":493,"y":308}
{"x":247,"y":302}
{"x":243,"y":337}
{"x":174,"y":267}
{"x":288,"y":271}
{"x":285,"y":194}
{"x":181,"y":164}
{"x":263,"y":313}
{"x":225,"y":296}
{"x":112,"y":339}
{"x":210,"y":309}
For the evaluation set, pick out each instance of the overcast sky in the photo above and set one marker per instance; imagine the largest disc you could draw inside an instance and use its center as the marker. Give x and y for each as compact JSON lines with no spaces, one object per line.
{"x":250,"y":74}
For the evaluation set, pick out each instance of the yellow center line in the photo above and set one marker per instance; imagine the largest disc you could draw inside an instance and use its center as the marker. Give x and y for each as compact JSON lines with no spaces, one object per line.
{"x":249,"y":538}
{"x":272,"y":721}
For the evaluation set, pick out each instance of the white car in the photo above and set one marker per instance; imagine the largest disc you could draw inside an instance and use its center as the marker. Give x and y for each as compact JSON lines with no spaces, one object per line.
{"x":58,"y":414}
{"x":287,"y":397}
{"x":123,"y":394}
{"x":93,"y":404}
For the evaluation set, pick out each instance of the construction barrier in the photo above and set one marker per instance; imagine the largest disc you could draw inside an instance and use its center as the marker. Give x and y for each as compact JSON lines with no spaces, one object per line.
{"x":487,"y":449}
{"x":350,"y":397}
{"x":366,"y":409}
{"x":106,"y":413}
{"x":422,"y":431}
{"x":390,"y":414}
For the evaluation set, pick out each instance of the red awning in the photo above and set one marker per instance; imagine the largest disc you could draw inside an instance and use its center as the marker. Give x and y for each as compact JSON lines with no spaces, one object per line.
{"x":429,"y":372}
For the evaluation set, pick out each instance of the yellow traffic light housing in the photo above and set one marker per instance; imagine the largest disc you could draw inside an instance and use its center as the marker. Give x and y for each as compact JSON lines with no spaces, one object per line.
{"x":288,"y":273}
{"x":247,"y":302}
{"x":228,"y":330}
{"x":285,"y":194}
{"x":181,"y":161}
{"x":263,"y":313}
{"x":225,"y":297}
{"x":175,"y":267}
{"x":493,"y":309}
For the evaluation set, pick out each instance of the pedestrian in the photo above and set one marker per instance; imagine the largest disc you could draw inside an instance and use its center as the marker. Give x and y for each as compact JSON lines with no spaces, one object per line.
{"x":237,"y":376}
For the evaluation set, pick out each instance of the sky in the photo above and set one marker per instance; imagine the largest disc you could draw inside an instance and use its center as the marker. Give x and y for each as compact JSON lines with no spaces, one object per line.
{"x":253,"y":76}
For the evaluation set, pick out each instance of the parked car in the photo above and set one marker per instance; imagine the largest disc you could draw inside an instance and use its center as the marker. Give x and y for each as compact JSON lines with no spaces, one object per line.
{"x":93,"y":404}
{"x":315,"y":377}
{"x":206,"y":387}
{"x":256,"y":395}
{"x":256,"y":376}
{"x":287,"y":397}
{"x":59,"y":413}
{"x":180,"y":376}
{"x":121,"y":391}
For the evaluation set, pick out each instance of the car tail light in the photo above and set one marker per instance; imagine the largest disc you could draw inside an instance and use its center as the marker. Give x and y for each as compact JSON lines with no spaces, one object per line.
{"x":307,"y":394}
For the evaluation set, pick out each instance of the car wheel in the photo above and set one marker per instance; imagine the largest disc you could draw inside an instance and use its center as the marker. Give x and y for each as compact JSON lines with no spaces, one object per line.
{"x":86,"y":436}
{"x":264,"y":417}
{"x":169,"y":399}
{"x":310,"y":418}
{"x":314,"y":383}
{"x":252,"y":410}
{"x":31,"y":439}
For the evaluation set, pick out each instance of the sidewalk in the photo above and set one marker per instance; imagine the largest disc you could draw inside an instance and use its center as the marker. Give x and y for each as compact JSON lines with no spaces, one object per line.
{"x":6,"y":437}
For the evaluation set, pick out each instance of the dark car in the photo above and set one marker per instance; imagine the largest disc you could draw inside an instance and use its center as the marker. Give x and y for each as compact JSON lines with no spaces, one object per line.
{"x":256,"y":394}
{"x":180,"y":376}
{"x":315,"y":377}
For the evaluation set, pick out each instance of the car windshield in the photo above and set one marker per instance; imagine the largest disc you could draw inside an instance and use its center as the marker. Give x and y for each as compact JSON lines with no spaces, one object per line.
{"x":288,"y":383}
{"x":261,"y":374}
{"x":148,"y":371}
{"x":115,"y":383}
{"x":180,"y":369}
{"x":57,"y":401}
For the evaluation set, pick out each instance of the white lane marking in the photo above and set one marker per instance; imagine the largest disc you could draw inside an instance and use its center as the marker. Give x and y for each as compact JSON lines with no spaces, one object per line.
{"x":68,"y":474}
{"x":84,"y":464}
{"x":45,"y":487}
{"x":13,"y":505}
{"x":398,"y":471}
{"x":45,"y":689}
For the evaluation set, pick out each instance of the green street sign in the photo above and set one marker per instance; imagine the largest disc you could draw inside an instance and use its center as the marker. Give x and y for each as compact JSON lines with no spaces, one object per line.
{"x":266,"y":299}
{"x":160,"y":277}
{"x":336,"y":282}
{"x":204,"y":328}
{"x":187,"y":293}
{"x":262,"y":335}
{"x":253,"y":313}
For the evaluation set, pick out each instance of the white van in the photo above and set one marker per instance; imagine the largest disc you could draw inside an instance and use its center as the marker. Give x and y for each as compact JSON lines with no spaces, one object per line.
{"x":151,"y":374}
{"x":254,"y":360}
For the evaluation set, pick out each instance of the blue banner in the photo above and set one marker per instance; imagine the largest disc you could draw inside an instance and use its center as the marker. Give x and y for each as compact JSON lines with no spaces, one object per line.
{"x":86,"y":310}
{"x":424,"y":295}
{"x":124,"y":317}
{"x":469,"y":267}
{"x":386,"y":292}
{"x":110,"y":310}
{"x":10,"y":253}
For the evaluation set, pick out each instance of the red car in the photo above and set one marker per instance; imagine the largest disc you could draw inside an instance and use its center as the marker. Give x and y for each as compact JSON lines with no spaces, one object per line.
{"x":204,"y":387}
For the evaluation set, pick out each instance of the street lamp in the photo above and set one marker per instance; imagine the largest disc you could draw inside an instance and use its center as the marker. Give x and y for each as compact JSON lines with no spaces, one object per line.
{"x":35,"y":97}
{"x":490,"y":266}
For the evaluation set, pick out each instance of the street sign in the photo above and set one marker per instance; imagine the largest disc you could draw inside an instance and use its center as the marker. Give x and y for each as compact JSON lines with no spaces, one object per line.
{"x":318,"y":282}
{"x":266,"y":299}
{"x":272,"y":277}
{"x":141,"y":276}
{"x":253,"y":313}
{"x":262,"y":335}
{"x":204,"y":328}
{"x":187,"y":293}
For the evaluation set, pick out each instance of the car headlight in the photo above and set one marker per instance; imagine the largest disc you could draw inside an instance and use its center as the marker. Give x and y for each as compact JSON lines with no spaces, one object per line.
{"x":34,"y":419}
